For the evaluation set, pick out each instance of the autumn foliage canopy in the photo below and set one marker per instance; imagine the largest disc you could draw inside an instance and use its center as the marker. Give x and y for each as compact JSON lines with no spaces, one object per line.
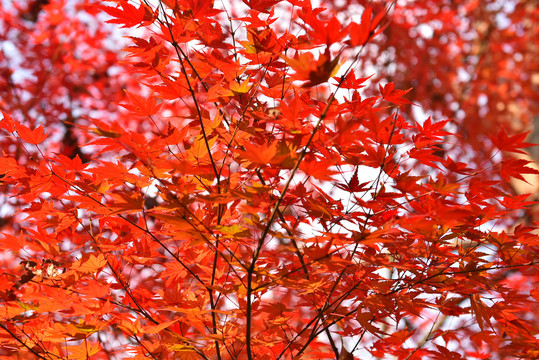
{"x":263,"y":179}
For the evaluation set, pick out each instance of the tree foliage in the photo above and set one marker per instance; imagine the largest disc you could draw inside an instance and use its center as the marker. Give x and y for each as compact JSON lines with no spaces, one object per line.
{"x":239,"y":183}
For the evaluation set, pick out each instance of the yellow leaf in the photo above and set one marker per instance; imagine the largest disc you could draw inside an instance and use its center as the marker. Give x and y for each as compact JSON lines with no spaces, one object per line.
{"x":242,"y":88}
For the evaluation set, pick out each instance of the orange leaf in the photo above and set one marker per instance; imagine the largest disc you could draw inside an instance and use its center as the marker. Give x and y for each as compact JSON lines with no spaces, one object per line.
{"x":35,"y":136}
{"x":317,"y":168}
{"x":145,"y":106}
{"x":93,"y":264}
{"x":83,"y":351}
{"x":260,"y":154}
{"x":315,"y":71}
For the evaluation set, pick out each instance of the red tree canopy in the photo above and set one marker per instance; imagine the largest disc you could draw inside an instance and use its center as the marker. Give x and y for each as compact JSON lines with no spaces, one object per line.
{"x":190,"y":179}
{"x":471,"y":61}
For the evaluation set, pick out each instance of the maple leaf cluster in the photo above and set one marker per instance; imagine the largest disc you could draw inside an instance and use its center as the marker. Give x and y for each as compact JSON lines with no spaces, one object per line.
{"x":471,"y":61}
{"x":230,"y":184}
